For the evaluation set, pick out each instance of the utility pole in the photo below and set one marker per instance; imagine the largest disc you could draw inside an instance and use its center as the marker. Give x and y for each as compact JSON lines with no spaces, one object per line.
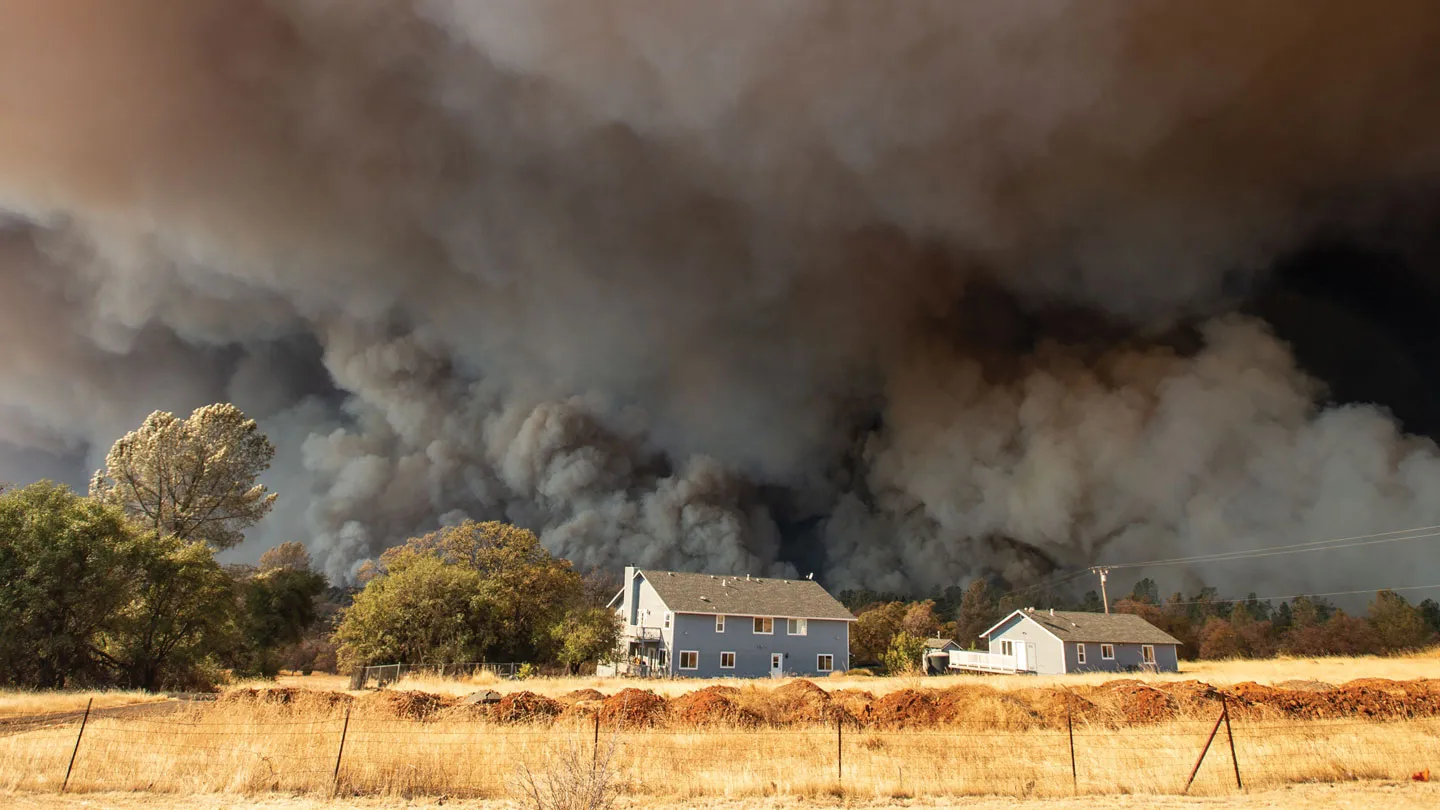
{"x":1104,"y":597}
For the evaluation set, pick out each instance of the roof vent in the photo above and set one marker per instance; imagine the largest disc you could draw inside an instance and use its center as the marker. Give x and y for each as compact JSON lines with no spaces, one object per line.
{"x":747,"y":577}
{"x":1052,"y":611}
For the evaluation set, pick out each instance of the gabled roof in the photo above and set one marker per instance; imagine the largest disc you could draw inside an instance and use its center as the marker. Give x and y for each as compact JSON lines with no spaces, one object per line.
{"x":738,"y":596}
{"x":939,"y":643}
{"x":1098,"y":628}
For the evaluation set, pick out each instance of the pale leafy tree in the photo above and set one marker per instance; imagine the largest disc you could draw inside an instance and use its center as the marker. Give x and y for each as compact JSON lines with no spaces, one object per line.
{"x":290,"y":556}
{"x":192,"y":479}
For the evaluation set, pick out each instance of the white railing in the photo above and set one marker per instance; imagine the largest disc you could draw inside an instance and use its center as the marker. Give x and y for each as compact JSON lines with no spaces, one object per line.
{"x":982,"y":661}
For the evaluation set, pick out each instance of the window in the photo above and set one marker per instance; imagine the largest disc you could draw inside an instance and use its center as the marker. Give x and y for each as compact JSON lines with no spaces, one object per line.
{"x":727,"y":660}
{"x":1147,"y":653}
{"x":764,"y":627}
{"x":689,"y":659}
{"x":796,"y":627}
{"x":1007,"y":648}
{"x":1080,"y":653}
{"x":664,"y":658}
{"x":667,"y":620}
{"x":1107,"y":652}
{"x":719,"y":624}
{"x":825,"y":663}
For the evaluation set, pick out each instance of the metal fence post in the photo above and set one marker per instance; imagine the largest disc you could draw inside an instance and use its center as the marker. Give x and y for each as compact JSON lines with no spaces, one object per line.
{"x":83,"y":720}
{"x":1225,"y":712}
{"x":344,"y":732}
{"x":1206,"y":749}
{"x":839,"y":751}
{"x":595,"y":754}
{"x":1070,"y":727}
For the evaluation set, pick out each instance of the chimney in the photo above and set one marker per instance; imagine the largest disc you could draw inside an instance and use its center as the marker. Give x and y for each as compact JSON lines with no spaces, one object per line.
{"x":630,"y":598}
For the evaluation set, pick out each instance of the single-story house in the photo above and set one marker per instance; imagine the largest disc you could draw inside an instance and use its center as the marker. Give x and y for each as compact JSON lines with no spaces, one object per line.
{"x":937,"y":654}
{"x":715,"y":626}
{"x":1056,"y":642}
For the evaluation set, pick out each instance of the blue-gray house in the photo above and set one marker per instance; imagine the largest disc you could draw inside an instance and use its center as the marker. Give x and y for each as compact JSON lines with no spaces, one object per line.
{"x":713,"y":626}
{"x":1056,"y":642}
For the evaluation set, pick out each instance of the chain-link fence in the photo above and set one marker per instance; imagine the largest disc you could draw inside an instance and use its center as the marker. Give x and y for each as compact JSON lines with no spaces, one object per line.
{"x":386,"y":674}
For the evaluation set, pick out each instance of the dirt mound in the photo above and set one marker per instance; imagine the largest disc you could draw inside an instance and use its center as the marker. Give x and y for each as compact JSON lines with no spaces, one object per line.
{"x":1140,"y":703}
{"x":582,"y":694}
{"x":1305,"y":686}
{"x":286,"y":696}
{"x":1040,"y":708}
{"x":907,"y":708}
{"x":801,"y":702}
{"x":633,"y":708}
{"x":404,"y":705}
{"x":713,"y":705}
{"x":526,"y":707}
{"x":854,"y":702}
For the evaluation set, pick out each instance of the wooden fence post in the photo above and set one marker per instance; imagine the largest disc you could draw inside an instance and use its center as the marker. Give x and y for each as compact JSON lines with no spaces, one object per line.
{"x":839,"y":751}
{"x":1225,"y":712}
{"x":1070,"y":726}
{"x":595,"y":754}
{"x":83,"y":720}
{"x":344,"y":732}
{"x":1206,"y":749}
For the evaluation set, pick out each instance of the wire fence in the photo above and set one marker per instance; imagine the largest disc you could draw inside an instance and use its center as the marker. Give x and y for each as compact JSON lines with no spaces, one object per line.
{"x":355,"y":754}
{"x":386,"y":674}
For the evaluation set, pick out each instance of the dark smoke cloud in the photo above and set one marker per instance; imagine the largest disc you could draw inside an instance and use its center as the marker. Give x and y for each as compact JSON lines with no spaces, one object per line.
{"x":911,"y":295}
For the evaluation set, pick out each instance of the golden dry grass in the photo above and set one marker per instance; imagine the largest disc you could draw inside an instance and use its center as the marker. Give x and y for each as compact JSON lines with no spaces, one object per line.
{"x":20,"y":703}
{"x":249,"y":749}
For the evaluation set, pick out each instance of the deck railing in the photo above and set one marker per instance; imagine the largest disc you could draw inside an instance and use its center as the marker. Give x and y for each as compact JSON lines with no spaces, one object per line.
{"x":982,"y":661}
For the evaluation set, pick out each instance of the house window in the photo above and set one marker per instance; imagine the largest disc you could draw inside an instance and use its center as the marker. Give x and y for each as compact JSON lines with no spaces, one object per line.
{"x":764,"y":627}
{"x":727,"y":660}
{"x":689,"y":659}
{"x":719,"y":624}
{"x":796,"y":627}
{"x":1147,"y":653}
{"x":667,"y":620}
{"x":825,"y":663}
{"x":1080,"y":653}
{"x":1007,"y":648}
{"x":1107,"y":652}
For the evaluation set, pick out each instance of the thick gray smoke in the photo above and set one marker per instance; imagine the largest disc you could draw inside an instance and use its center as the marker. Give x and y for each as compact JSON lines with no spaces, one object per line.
{"x":914,"y":294}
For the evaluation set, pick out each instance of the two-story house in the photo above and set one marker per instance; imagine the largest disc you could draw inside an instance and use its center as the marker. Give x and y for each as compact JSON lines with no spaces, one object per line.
{"x":713,"y":626}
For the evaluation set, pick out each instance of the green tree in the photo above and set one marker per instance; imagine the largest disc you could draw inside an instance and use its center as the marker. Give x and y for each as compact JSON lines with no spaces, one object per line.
{"x":904,"y":654}
{"x":419,"y":610}
{"x":1398,"y":625}
{"x":277,"y":607}
{"x":194,"y":479}
{"x":290,"y":556}
{"x":1430,"y":611}
{"x":873,"y":631}
{"x":586,"y":635}
{"x":66,"y":565}
{"x":1146,"y":591}
{"x":978,"y":613}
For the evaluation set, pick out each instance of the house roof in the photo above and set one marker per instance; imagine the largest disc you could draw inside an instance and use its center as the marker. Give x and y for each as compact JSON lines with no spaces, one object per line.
{"x":939,"y":643}
{"x":737,"y":596}
{"x":1100,"y":628}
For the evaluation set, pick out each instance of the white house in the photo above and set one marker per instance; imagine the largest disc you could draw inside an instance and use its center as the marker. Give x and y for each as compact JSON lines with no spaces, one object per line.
{"x":1056,"y":642}
{"x":713,"y":626}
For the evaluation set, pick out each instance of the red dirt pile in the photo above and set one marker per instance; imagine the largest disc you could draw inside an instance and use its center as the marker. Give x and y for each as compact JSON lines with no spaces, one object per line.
{"x":526,"y":707}
{"x":286,"y":696}
{"x":800,"y":702}
{"x":582,"y":694}
{"x":907,"y":708}
{"x":633,"y":708}
{"x":1140,"y":703}
{"x":711,"y":706}
{"x":404,"y":705}
{"x":1367,"y":697}
{"x":854,"y":702}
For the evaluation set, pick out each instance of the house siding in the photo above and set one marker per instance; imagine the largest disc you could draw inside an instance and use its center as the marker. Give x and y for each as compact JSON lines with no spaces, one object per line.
{"x":1049,"y":655}
{"x":1127,"y":657}
{"x":752,"y":650}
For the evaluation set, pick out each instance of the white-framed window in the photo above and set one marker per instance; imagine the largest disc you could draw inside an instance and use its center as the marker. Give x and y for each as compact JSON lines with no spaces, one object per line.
{"x":667,"y":620}
{"x":825,"y":663}
{"x":1080,"y":653}
{"x":719,"y":624}
{"x":1107,"y":652}
{"x":689,"y":659}
{"x":1147,"y":653}
{"x":727,"y":660}
{"x":1007,"y":648}
{"x":796,"y":627}
{"x":764,"y":626}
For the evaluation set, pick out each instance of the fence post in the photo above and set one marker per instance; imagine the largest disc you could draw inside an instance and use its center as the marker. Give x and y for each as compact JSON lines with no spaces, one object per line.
{"x":83,"y":720}
{"x":1206,"y":749}
{"x":595,"y":754}
{"x":1070,"y":727}
{"x":344,"y":732}
{"x":1225,"y":712}
{"x":840,"y":751}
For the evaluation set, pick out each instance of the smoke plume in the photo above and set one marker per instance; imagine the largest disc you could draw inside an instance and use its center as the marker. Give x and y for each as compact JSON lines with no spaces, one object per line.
{"x":903,"y":296}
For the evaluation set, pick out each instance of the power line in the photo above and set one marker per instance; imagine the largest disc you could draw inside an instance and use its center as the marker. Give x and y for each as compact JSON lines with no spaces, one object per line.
{"x":1293,"y":548}
{"x":1297,"y":596}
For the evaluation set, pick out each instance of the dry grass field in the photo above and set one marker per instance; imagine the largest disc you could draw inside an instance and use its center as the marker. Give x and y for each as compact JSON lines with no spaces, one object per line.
{"x":871,"y":741}
{"x":19,"y":703}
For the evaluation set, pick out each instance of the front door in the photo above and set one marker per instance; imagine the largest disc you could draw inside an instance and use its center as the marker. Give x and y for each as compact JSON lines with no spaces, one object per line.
{"x":777,"y":664}
{"x":1020,"y":659}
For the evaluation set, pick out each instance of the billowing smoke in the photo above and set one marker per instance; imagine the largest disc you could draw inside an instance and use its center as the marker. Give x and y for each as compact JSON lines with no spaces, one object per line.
{"x":902,"y":295}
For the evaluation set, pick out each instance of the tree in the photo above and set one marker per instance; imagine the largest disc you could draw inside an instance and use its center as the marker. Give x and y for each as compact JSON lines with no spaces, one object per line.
{"x":1430,"y":611}
{"x":904,"y":654}
{"x":1219,"y":641}
{"x":586,"y":634}
{"x":421,"y":610}
{"x":66,"y":565}
{"x":1398,"y":625}
{"x":874,"y":629}
{"x":920,"y":619}
{"x":1146,"y":591}
{"x":193,"y":479}
{"x":286,"y":557}
{"x":277,"y":607}
{"x":978,"y":613}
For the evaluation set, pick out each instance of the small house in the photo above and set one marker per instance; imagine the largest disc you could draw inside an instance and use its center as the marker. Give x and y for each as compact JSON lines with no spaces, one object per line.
{"x":1057,"y":642}
{"x":716,"y":626}
{"x":937,"y":654}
